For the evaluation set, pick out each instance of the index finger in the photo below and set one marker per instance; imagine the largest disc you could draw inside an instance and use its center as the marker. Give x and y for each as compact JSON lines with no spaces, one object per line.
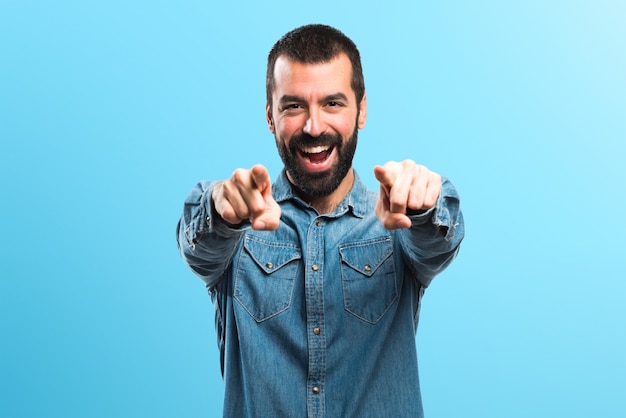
{"x":384,"y":176}
{"x":260,"y":177}
{"x":395,"y":184}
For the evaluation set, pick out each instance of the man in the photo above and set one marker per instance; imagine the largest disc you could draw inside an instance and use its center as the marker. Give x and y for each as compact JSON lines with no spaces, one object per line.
{"x":317,"y":281}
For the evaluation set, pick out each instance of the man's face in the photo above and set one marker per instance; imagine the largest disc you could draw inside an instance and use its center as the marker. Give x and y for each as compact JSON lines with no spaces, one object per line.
{"x":315,"y":120}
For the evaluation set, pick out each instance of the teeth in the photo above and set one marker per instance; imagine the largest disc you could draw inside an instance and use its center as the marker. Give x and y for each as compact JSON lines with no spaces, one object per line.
{"x":315,"y":150}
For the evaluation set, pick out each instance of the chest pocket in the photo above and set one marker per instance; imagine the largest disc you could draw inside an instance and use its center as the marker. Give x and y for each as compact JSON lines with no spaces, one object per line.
{"x":265,"y":277}
{"x":368,"y":278}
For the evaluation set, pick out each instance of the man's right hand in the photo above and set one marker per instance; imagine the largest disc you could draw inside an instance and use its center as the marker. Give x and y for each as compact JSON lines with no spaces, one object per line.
{"x":247,"y":195}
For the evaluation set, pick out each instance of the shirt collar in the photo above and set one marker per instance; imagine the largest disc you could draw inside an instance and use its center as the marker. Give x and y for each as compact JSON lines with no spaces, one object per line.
{"x":355,"y":201}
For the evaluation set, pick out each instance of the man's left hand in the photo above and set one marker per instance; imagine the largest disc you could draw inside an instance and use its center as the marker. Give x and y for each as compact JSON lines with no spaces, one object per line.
{"x":404,"y":186}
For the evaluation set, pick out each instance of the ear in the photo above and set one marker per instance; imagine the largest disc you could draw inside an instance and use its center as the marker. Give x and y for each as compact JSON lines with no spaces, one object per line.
{"x":362,"y":111}
{"x":268,"y":117}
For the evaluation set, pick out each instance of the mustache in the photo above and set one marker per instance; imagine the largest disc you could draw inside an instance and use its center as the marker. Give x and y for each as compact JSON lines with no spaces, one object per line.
{"x":306,"y":140}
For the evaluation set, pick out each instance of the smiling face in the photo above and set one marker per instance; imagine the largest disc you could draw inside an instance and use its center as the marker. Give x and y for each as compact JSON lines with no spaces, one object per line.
{"x":315,"y":119}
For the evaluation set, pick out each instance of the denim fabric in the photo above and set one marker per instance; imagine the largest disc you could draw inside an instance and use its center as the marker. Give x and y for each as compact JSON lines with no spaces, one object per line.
{"x":318,"y":318}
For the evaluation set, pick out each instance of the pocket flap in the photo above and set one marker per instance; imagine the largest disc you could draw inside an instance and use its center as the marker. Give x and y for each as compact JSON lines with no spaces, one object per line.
{"x":366,"y":256}
{"x":270,"y":256}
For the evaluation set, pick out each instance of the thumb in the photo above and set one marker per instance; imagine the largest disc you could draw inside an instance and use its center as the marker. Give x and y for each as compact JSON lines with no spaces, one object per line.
{"x":269,"y":220}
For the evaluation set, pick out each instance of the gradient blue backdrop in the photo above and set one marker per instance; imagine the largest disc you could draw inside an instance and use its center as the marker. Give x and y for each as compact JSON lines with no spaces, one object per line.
{"x":110,"y":111}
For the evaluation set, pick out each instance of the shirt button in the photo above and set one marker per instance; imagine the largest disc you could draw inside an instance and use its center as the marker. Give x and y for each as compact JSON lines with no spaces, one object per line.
{"x":208,"y":221}
{"x":315,"y":267}
{"x":269,"y":265}
{"x":316,"y":390}
{"x":368,"y":267}
{"x":316,"y":331}
{"x":318,"y":222}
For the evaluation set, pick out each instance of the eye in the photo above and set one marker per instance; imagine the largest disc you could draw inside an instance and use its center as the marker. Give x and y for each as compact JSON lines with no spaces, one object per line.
{"x":334,"y":106}
{"x":291,"y":107}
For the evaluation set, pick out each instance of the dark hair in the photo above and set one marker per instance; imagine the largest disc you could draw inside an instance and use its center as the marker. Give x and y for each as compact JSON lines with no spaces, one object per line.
{"x":314,"y":44}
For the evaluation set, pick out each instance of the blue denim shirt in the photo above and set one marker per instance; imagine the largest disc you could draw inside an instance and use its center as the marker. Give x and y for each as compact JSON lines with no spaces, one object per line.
{"x":318,"y":318}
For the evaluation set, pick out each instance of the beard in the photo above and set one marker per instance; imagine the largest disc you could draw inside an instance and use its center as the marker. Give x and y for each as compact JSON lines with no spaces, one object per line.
{"x":319,"y":184}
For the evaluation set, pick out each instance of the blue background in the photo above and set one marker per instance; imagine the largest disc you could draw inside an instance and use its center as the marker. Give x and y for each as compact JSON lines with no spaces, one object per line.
{"x":110,"y":111}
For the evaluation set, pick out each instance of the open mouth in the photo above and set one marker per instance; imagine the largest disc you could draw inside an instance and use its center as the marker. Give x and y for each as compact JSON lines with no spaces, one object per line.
{"x":317,"y":154}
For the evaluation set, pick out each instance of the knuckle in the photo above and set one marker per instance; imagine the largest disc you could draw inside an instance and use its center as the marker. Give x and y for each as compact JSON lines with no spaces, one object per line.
{"x":229,"y":215}
{"x":416,"y":202}
{"x":229,"y":193}
{"x":397,"y":202}
{"x":242,"y":212}
{"x":239,"y":176}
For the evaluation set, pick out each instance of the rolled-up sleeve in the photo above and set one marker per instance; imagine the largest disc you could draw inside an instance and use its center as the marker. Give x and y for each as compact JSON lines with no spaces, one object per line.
{"x":434,"y":238}
{"x":205,"y":241}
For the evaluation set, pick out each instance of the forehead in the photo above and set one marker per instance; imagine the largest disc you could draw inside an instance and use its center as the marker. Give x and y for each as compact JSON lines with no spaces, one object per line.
{"x":302,"y":79}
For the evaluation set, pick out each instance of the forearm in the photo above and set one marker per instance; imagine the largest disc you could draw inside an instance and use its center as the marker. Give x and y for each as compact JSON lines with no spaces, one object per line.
{"x":205,"y":241}
{"x":434,"y":238}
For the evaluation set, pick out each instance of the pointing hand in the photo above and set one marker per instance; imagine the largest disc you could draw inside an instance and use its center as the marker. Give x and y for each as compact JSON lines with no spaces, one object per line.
{"x":247,"y":194}
{"x":404,"y":186}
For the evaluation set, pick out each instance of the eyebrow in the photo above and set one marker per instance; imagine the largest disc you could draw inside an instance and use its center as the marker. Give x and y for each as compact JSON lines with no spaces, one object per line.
{"x":298,"y":99}
{"x":336,"y":96}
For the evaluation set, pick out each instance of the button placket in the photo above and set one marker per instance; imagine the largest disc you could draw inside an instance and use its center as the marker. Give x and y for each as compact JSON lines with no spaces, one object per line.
{"x":315,"y":315}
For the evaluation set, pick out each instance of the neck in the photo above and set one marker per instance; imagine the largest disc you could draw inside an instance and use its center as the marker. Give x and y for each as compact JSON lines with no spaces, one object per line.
{"x":327,"y":204}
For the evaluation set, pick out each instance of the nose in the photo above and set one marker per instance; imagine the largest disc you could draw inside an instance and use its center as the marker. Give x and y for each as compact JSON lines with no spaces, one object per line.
{"x":315,"y":125}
